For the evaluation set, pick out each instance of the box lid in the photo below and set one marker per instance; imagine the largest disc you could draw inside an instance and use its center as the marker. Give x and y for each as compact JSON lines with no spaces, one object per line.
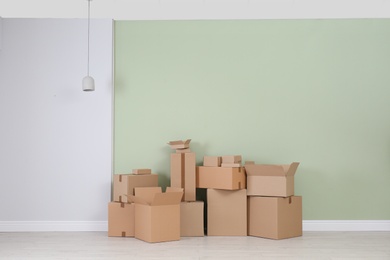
{"x":153,"y":196}
{"x":180,"y":144}
{"x":271,"y":169}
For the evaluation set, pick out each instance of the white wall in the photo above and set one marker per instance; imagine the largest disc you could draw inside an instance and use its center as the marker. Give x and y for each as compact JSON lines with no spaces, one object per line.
{"x":56,"y":140}
{"x":198,"y":9}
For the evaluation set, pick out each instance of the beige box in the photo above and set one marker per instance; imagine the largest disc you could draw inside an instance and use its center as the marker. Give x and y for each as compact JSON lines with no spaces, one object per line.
{"x":212,"y":161}
{"x":124,"y":184}
{"x":120,"y":219}
{"x":231,"y":159}
{"x":157,"y":214}
{"x":180,"y":144}
{"x":191,"y":219}
{"x":270,"y":180}
{"x":226,"y":178}
{"x":231,"y":165}
{"x":226,"y":212}
{"x":275,"y":217}
{"x":142,"y":171}
{"x":183,"y":174}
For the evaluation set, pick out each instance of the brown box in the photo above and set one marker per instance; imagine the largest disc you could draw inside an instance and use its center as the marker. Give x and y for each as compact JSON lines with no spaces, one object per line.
{"x":275,"y":217}
{"x":220,"y":178}
{"x":231,"y":165}
{"x":226,"y":212}
{"x":191,"y":219}
{"x":212,"y":161}
{"x":187,"y":150}
{"x":183,"y":174}
{"x":120,"y":219}
{"x":180,"y":144}
{"x":124,"y":184}
{"x":157,"y":214}
{"x":270,"y":180}
{"x":231,"y":159}
{"x":142,"y":171}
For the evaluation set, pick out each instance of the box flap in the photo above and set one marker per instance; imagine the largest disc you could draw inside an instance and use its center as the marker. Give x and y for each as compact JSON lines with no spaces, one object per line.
{"x":134,"y":199}
{"x":173,"y":189}
{"x":180,"y":144}
{"x":146,"y":193}
{"x":168,"y":198}
{"x":271,"y":170}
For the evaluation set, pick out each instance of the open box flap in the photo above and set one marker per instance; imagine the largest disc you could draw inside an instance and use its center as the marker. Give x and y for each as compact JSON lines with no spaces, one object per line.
{"x":271,"y":170}
{"x":180,"y":144}
{"x":146,"y":193}
{"x":167,"y":198}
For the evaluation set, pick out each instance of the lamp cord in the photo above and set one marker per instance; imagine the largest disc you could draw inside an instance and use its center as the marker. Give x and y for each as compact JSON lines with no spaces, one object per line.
{"x":89,"y":10}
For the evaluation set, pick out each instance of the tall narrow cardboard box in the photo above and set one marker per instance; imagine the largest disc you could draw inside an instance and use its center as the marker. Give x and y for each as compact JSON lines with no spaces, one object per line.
{"x":183,"y":174}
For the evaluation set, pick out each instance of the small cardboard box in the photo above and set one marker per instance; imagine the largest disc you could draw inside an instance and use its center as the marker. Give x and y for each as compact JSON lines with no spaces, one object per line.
{"x":270,"y":180}
{"x":183,"y":174}
{"x":226,"y":178}
{"x":226,"y":212}
{"x":142,"y":171}
{"x":212,"y":161}
{"x":232,"y":165}
{"x":191,"y":219}
{"x":275,"y":217}
{"x":180,"y":144}
{"x":124,"y":184}
{"x":157,"y":214}
{"x":231,"y":159}
{"x":120,"y":219}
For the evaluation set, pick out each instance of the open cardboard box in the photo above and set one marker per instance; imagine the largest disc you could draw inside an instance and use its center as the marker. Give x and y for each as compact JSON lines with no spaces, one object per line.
{"x":157,"y":214}
{"x":180,"y":144}
{"x":270,"y":180}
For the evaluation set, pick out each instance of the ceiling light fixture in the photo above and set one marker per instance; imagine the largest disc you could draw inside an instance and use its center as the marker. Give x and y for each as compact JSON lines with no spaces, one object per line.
{"x":88,"y":81}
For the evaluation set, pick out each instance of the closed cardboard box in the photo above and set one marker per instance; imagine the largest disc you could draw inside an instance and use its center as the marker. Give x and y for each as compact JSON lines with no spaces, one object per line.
{"x":226,"y":178}
{"x":120,"y":219}
{"x":271,"y":180}
{"x":275,"y":217}
{"x":124,"y":184}
{"x":212,"y":161}
{"x":226,"y":212}
{"x":191,"y":219}
{"x":183,"y":174}
{"x":157,"y":214}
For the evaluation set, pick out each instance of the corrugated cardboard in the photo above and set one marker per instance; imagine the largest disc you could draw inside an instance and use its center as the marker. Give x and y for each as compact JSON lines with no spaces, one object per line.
{"x":157,"y":214}
{"x":180,"y":144}
{"x":191,"y":219}
{"x":275,"y":217}
{"x":270,"y":180}
{"x":212,"y":161}
{"x":226,"y":212}
{"x":121,"y":219}
{"x":124,"y":184}
{"x":142,"y":171}
{"x":231,"y":159}
{"x":187,"y":150}
{"x":183,"y":174}
{"x":231,"y":165}
{"x":220,"y":178}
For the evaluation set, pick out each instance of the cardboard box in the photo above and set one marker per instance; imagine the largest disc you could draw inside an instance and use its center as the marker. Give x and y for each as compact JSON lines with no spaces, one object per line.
{"x":187,"y":150}
{"x":231,"y":159}
{"x":231,"y":165}
{"x":180,"y":144}
{"x":220,"y":178}
{"x":226,"y":212}
{"x":120,"y":219}
{"x":270,"y":180}
{"x":124,"y":184}
{"x":275,"y":217}
{"x":212,"y":161}
{"x":183,"y":174}
{"x":142,"y":171}
{"x":157,"y":214}
{"x":191,"y":219}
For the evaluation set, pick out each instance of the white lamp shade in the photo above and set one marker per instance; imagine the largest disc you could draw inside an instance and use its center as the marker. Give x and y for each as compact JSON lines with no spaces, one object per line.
{"x":88,"y":84}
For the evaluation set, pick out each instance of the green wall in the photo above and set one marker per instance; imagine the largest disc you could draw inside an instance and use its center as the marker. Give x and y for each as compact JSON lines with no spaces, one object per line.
{"x":274,"y":91}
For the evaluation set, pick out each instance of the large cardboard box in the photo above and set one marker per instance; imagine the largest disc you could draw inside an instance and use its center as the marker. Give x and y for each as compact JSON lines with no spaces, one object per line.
{"x":124,"y":184}
{"x":270,"y":180}
{"x":120,"y":219}
{"x":226,"y":212}
{"x":183,"y":174}
{"x":157,"y":214}
{"x":275,"y":217}
{"x":191,"y":219}
{"x":226,"y":178}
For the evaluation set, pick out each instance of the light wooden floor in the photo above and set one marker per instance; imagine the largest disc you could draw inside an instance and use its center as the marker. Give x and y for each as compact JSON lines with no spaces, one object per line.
{"x":96,"y":245}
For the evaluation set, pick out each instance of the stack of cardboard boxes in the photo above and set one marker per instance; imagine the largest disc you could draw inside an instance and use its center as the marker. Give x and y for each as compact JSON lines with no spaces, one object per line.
{"x":225,"y":181}
{"x":273,"y":210}
{"x":254,"y":199}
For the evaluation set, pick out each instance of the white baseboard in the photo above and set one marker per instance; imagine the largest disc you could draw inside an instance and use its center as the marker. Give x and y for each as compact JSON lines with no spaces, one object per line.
{"x":346,"y":225}
{"x":45,"y":226}
{"x":308,"y":225}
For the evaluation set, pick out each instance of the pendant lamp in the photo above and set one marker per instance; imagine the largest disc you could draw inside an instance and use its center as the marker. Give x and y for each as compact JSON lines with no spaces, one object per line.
{"x":88,"y":81}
